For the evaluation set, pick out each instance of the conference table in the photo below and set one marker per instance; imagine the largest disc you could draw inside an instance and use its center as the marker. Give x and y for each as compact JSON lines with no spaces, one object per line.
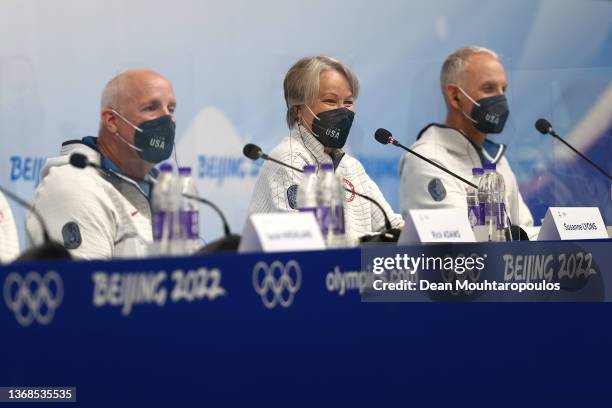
{"x":299,"y":329}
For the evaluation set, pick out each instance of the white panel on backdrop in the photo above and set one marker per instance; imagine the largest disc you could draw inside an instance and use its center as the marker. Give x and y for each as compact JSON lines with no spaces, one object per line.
{"x":213,"y":149}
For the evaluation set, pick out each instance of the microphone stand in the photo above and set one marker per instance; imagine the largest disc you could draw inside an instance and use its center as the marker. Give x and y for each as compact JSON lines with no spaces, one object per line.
{"x":398,"y":144}
{"x":228,"y":243}
{"x":559,"y":138}
{"x":49,"y":249}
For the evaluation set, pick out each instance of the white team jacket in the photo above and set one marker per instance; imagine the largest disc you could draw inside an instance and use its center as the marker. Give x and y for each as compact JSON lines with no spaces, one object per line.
{"x":424,"y":186}
{"x":9,"y":241}
{"x":95,"y":214}
{"x":276,"y":185}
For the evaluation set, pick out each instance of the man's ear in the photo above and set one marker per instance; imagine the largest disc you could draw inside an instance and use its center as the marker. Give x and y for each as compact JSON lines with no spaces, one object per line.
{"x":452,"y":96}
{"x":109,"y":120}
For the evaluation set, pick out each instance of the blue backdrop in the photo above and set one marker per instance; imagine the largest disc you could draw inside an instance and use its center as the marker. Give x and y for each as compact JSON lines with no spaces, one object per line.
{"x":227,"y":60}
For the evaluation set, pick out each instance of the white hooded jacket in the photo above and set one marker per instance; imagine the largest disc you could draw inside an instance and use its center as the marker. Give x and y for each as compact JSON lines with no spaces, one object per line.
{"x":424,"y":186}
{"x":276,"y":185}
{"x":95,"y":214}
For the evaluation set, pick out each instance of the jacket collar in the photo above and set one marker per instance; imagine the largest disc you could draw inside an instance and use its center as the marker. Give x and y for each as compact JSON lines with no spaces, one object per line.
{"x":456,"y":141}
{"x":109,"y":167}
{"x":315,"y":147}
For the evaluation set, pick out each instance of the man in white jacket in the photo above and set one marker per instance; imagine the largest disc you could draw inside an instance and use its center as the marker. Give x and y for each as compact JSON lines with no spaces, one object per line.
{"x":104,"y":213}
{"x":473,"y":84}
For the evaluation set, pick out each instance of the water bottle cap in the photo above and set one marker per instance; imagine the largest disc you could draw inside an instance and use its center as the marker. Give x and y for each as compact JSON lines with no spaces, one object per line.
{"x":489,"y":166}
{"x":477,"y":171}
{"x":327,"y":166}
{"x":309,"y":168}
{"x":185,"y":171}
{"x":165,"y":167}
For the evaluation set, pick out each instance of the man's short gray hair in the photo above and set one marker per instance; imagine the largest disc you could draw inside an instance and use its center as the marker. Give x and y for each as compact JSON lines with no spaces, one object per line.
{"x":452,"y":69}
{"x":301,"y":83}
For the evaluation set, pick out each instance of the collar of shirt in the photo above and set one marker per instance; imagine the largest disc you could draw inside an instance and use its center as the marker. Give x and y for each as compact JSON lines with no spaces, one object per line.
{"x":489,"y":152}
{"x":108,"y":165}
{"x":315,"y":147}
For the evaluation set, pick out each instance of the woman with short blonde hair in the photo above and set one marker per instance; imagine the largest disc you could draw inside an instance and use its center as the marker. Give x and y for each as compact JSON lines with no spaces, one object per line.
{"x":320,"y":94}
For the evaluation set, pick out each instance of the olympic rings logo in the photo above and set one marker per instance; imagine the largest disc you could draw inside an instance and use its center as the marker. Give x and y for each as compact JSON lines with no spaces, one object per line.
{"x":277,"y":283}
{"x":33,"y":297}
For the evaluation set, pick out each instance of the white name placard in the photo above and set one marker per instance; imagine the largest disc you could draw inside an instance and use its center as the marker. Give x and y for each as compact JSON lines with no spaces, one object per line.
{"x":277,"y":232}
{"x":439,"y":225}
{"x":566,"y":223}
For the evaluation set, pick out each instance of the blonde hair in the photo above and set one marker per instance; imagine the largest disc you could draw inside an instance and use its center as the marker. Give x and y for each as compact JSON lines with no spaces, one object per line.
{"x":301,"y":83}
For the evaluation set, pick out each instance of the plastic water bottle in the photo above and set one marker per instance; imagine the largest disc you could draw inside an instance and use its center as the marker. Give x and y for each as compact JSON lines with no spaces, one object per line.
{"x":491,"y":193}
{"x":307,"y":190}
{"x":164,"y":212}
{"x":473,"y":206}
{"x":330,"y":202}
{"x":189,"y":215}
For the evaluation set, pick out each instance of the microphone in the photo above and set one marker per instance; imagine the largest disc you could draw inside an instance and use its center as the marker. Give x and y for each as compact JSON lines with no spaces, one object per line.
{"x":228,"y":243}
{"x":383,"y":136}
{"x":254,"y":152}
{"x":49,"y":249}
{"x":544,"y":127}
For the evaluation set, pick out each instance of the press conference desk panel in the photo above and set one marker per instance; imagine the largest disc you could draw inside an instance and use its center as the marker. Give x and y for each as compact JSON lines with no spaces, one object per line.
{"x":289,"y":329}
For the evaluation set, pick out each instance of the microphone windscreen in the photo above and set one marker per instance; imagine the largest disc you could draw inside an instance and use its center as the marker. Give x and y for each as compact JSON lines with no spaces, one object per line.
{"x":382,"y":136}
{"x":251,"y":151}
{"x":543,"y":126}
{"x":79,"y":160}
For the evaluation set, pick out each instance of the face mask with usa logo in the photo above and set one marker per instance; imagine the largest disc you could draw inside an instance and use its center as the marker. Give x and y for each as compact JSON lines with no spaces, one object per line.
{"x":153,"y":139}
{"x":332,"y":127}
{"x":489,"y":114}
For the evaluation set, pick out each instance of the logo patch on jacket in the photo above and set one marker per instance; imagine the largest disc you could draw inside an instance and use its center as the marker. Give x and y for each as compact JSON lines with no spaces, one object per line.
{"x":72,"y":235}
{"x":436,"y":189}
{"x":292,"y":196}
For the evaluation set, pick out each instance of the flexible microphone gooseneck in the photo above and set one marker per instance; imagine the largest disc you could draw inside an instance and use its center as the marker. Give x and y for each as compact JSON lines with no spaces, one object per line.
{"x":544,"y":127}
{"x":383,"y":136}
{"x":254,"y":152}
{"x":49,"y":248}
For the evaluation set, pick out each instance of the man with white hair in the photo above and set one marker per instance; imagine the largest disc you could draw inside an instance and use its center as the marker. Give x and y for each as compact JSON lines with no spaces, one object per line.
{"x":473,"y":84}
{"x":105,"y":212}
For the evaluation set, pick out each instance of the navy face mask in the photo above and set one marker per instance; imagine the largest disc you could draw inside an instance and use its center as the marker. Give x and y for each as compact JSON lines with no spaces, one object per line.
{"x":489,"y":114}
{"x":332,"y":127}
{"x":153,"y":139}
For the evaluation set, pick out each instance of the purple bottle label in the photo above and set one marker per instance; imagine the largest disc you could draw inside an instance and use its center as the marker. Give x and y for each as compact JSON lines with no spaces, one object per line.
{"x":481,"y":214}
{"x":161,"y":223}
{"x":474,"y":215}
{"x":324,"y":216}
{"x":309,"y":209}
{"x":339,"y":220}
{"x":497,"y":211}
{"x":190,"y":224}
